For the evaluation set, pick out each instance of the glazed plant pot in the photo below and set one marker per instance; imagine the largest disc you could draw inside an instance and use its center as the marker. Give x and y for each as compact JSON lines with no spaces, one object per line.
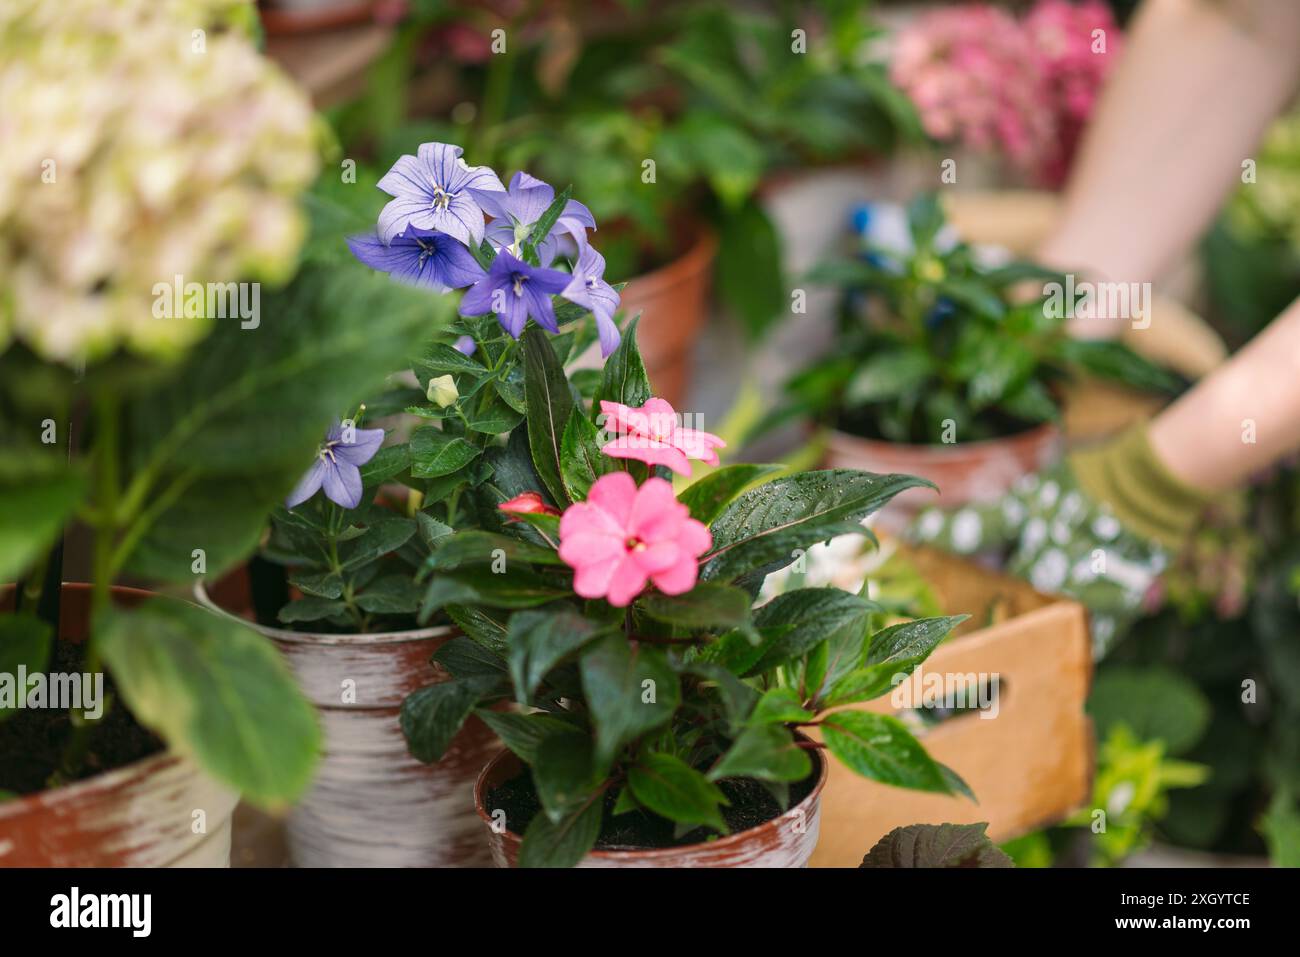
{"x":673,"y":303}
{"x":965,"y":472}
{"x":372,"y":804}
{"x":144,"y":814}
{"x":784,"y":841}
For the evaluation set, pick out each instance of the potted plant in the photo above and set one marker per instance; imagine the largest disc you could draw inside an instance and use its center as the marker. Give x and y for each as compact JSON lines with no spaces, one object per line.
{"x":942,"y":369}
{"x":160,"y":431}
{"x":366,"y":517}
{"x":659,"y":713}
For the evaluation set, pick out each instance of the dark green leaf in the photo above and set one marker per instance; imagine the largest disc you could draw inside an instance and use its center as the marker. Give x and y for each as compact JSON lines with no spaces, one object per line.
{"x":436,"y":453}
{"x":625,"y":378}
{"x":24,"y":643}
{"x":766,"y":752}
{"x":431,"y":716}
{"x":547,"y":844}
{"x":709,"y":605}
{"x":710,"y":495}
{"x":766,"y":525}
{"x":388,"y":462}
{"x":879,"y":747}
{"x":523,"y":733}
{"x":630,"y":691}
{"x":937,"y":845}
{"x":808,"y":616}
{"x":540,"y":640}
{"x":564,"y":774}
{"x":673,"y":789}
{"x":311,"y":609}
{"x":549,"y":406}
{"x":581,"y":461}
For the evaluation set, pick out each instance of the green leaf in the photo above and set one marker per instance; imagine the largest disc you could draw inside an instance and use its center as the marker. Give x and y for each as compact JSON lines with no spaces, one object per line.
{"x":880,"y":747}
{"x":763,"y":528}
{"x":766,"y":752}
{"x":808,"y":616}
{"x":888,"y":375}
{"x":520,"y":589}
{"x":975,"y":296}
{"x":707,"y":497}
{"x":628,"y":691}
{"x":779,"y":706}
{"x":749,"y":269}
{"x":443,"y":359}
{"x":708,"y":605}
{"x":311,"y":608}
{"x":478,"y":547}
{"x":1110,"y":359}
{"x":937,"y":845}
{"x":24,"y":643}
{"x":673,"y":789}
{"x":380,"y":537}
{"x":38,"y":495}
{"x":540,"y":640}
{"x":238,"y":421}
{"x":466,"y":658}
{"x":548,"y":844}
{"x":564,"y":774}
{"x":549,"y":405}
{"x":388,"y":462}
{"x":435,"y":453}
{"x":431,"y":716}
{"x":581,"y":461}
{"x":625,"y":379}
{"x":1154,"y":702}
{"x":390,"y":595}
{"x":892,"y":655}
{"x":491,"y":415}
{"x":523,"y":733}
{"x":215,"y":691}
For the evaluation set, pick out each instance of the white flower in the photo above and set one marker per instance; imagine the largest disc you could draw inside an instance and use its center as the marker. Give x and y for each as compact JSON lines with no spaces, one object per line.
{"x":142,"y":139}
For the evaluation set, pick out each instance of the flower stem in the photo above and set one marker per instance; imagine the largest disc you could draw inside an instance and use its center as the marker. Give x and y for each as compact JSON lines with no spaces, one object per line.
{"x":105,"y":465}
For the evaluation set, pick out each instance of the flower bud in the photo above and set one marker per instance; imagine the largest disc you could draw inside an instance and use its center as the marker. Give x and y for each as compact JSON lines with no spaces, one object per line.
{"x":442,"y":391}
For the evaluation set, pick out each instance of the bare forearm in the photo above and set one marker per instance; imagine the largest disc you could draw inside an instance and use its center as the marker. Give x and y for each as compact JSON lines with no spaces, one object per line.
{"x":1240,"y":419}
{"x":1196,"y":88}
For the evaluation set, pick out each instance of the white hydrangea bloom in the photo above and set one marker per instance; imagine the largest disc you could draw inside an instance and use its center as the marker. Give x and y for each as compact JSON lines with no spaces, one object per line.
{"x":143,"y":140}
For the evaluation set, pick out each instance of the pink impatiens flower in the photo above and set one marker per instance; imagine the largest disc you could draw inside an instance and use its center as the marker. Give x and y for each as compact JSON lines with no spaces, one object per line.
{"x":623,"y":536}
{"x":652,"y":435}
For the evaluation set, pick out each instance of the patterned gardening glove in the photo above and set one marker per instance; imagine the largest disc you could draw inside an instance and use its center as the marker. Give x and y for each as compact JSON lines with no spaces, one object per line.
{"x":1099,"y":527}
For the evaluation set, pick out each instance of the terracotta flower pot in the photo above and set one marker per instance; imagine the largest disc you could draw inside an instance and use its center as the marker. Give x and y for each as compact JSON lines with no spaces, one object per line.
{"x":785,"y":841}
{"x":966,"y":472}
{"x":139,"y":815}
{"x":372,"y":804}
{"x":673,"y":302}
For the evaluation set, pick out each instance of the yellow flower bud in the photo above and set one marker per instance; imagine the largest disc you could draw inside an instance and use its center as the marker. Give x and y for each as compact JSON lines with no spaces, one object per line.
{"x":442,"y":391}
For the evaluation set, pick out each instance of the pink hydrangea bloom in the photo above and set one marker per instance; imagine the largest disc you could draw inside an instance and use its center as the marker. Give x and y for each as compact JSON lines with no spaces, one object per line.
{"x":652,"y":435}
{"x":980,"y":78}
{"x":623,"y":537}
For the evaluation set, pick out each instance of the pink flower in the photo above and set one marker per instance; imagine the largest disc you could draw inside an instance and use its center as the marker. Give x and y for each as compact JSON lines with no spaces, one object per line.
{"x":652,"y":435}
{"x":623,"y":536}
{"x":527,"y":503}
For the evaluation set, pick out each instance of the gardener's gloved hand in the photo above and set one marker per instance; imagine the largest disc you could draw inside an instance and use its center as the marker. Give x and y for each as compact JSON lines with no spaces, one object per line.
{"x":1100,"y":527}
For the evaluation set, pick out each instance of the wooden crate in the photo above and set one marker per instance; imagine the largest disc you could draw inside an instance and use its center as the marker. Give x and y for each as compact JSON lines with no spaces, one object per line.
{"x":1029,"y":766}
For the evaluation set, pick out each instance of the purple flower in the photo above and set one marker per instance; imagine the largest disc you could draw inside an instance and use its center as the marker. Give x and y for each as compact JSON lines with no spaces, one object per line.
{"x":432,"y":191}
{"x":515,"y":291}
{"x":515,"y":211}
{"x":419,"y":257}
{"x":465,"y":345}
{"x":588,"y":289}
{"x":337,"y":466}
